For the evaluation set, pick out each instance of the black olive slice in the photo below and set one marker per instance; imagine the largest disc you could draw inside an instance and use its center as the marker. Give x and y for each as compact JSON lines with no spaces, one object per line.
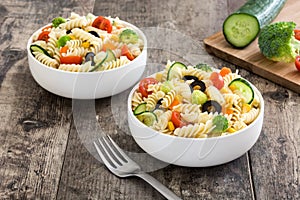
{"x":190,"y":77}
{"x":69,"y":31}
{"x":211,"y":106}
{"x":94,"y":33}
{"x":158,"y":104}
{"x":199,"y":83}
{"x":90,"y":57}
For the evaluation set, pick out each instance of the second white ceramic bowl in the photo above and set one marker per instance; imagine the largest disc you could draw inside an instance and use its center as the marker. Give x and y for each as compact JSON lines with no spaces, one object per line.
{"x":195,"y":152}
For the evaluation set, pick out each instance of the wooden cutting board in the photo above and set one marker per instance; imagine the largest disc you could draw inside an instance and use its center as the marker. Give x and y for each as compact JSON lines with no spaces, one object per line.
{"x":251,"y":59}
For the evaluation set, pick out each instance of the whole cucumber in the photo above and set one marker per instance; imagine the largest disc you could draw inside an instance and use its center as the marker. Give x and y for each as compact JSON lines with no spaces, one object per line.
{"x":242,"y":27}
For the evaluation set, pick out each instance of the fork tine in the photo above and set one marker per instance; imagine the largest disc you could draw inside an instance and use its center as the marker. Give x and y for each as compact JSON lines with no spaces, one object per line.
{"x":104,"y":156}
{"x":118,"y":150}
{"x":110,"y":151}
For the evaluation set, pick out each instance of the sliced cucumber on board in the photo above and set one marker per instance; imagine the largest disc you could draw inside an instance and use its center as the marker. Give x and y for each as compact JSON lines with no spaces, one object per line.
{"x":242,"y":27}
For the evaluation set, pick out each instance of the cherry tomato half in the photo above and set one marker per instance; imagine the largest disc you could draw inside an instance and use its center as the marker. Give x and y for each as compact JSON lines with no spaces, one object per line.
{"x":71,"y":60}
{"x":125,"y":52}
{"x":297,"y":34}
{"x":297,"y":62}
{"x":44,"y":36}
{"x":217,"y":80}
{"x":143,"y":86}
{"x":176,"y":119}
{"x":102,"y":23}
{"x":96,"y":23}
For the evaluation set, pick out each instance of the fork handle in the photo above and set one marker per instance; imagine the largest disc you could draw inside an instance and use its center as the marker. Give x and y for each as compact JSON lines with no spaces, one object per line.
{"x":158,"y":186}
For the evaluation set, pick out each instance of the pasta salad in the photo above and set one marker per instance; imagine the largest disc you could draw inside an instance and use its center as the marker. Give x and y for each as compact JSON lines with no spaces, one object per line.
{"x":86,"y":43}
{"x":195,"y":101}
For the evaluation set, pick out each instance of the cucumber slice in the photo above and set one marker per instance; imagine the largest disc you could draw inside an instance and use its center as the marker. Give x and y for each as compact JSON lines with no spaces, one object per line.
{"x":37,"y":48}
{"x":129,"y":36}
{"x":147,"y":117}
{"x":100,"y":63}
{"x":140,"y":109}
{"x":240,"y":29}
{"x":174,"y":69}
{"x":242,"y":87}
{"x":110,"y":55}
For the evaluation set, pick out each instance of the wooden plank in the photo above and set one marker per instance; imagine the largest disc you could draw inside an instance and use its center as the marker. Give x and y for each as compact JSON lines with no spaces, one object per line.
{"x":84,"y":177}
{"x":34,"y":125}
{"x":251,"y":59}
{"x":275,"y":156}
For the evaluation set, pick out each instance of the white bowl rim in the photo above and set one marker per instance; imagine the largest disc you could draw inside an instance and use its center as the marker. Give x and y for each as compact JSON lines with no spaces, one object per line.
{"x":261,"y":112}
{"x":140,"y":33}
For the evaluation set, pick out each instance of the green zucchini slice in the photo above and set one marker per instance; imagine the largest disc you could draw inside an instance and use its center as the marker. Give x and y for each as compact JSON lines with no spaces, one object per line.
{"x":174,"y":69}
{"x":110,"y":55}
{"x":37,"y":48}
{"x":100,"y":63}
{"x":243,"y":88}
{"x":140,"y":109}
{"x":148,"y":118}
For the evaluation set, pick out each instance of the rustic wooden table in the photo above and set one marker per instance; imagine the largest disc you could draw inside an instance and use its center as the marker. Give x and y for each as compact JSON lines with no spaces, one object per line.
{"x":42,"y":155}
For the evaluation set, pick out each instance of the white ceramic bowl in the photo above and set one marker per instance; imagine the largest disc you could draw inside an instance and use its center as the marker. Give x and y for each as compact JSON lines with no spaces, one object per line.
{"x":89,"y":85}
{"x":195,"y":152}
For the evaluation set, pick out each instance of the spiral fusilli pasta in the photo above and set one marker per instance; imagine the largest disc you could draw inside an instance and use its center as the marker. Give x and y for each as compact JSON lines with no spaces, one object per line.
{"x":69,"y":41}
{"x":183,"y":110}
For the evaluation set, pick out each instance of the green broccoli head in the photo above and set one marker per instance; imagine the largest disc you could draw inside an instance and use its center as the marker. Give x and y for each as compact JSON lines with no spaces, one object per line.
{"x":221,"y":124}
{"x":277,"y":42}
{"x":57,"y":21}
{"x":204,"y":67}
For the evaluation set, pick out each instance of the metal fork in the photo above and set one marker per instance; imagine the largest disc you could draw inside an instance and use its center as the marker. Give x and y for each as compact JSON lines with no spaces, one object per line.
{"x":121,"y":165}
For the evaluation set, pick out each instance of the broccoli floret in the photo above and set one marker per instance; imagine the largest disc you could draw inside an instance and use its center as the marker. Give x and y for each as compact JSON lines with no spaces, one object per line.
{"x":57,"y":21}
{"x":204,"y":67}
{"x":277,"y":42}
{"x":129,"y":36}
{"x":63,"y":40}
{"x":221,"y":124}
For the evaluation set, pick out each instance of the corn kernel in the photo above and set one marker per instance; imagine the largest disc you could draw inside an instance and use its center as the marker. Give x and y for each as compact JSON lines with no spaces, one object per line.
{"x":225,"y":90}
{"x":158,"y":77}
{"x":72,"y":37}
{"x":232,"y":87}
{"x":115,"y":38}
{"x":231,"y":130}
{"x":179,"y":98}
{"x":171,"y":126}
{"x":246,"y":108}
{"x":197,"y":87}
{"x":85,"y":44}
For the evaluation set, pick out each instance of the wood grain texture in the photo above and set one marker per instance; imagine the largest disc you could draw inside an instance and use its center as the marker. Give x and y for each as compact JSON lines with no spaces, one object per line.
{"x":43,"y":151}
{"x":34,"y":124}
{"x":251,"y":59}
{"x":84,"y":177}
